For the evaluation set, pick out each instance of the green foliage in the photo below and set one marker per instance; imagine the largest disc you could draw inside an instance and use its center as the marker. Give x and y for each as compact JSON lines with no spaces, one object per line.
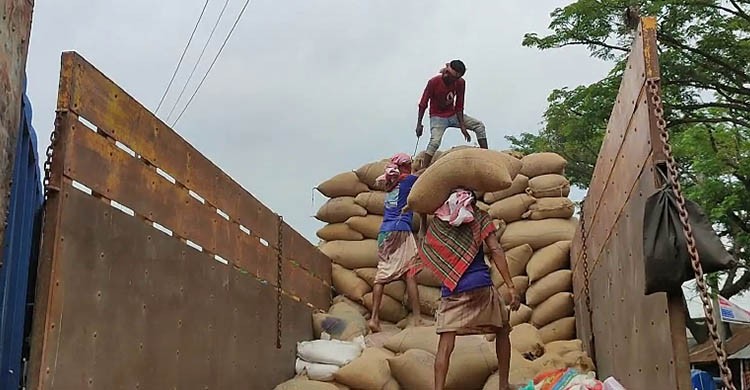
{"x":705,"y":58}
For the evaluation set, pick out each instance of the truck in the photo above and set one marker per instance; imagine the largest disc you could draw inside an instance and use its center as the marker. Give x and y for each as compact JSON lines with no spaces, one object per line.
{"x":147,"y":266}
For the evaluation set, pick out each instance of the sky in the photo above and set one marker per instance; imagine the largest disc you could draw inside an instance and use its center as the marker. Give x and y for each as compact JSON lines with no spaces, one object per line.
{"x":306,"y":89}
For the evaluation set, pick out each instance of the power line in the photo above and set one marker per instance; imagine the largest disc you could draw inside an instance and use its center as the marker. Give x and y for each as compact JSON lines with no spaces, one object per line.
{"x":182,"y":56}
{"x":197,"y":62}
{"x":236,"y":21}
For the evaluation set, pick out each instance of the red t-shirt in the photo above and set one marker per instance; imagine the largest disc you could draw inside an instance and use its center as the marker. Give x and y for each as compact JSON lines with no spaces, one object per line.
{"x":445,"y":100}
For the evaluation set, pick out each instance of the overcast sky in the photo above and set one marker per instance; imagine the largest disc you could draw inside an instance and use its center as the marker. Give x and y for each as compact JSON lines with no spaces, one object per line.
{"x":306,"y":89}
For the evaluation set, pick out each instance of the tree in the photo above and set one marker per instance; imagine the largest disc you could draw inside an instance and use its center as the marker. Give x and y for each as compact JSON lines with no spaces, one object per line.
{"x":705,"y":57}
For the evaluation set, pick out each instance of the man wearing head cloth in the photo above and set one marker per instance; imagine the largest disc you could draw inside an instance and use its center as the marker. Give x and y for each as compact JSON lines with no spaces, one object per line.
{"x":445,"y":95}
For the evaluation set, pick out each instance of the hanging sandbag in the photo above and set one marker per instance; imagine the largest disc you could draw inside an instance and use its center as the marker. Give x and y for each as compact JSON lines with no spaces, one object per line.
{"x":666,"y":256}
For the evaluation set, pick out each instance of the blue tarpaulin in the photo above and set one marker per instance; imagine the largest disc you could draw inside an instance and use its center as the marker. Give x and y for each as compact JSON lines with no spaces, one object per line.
{"x":19,"y":251}
{"x":702,"y":380}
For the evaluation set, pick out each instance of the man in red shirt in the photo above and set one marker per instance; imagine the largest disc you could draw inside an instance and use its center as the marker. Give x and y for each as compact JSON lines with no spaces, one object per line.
{"x":445,"y":94}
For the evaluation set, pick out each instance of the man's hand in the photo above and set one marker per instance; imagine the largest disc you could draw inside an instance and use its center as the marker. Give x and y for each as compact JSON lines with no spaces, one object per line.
{"x":515,"y":300}
{"x":466,"y":134}
{"x":419,"y":130}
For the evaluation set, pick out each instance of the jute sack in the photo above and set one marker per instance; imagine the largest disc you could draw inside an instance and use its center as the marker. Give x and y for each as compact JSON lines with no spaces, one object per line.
{"x":556,"y":282}
{"x":537,"y":164}
{"x":516,"y":258}
{"x":520,"y":316}
{"x":519,"y":185}
{"x":347,"y":282}
{"x":428,"y":278}
{"x":424,"y":320}
{"x":547,"y":186}
{"x":352,"y":254}
{"x":511,"y":209}
{"x":426,"y":339}
{"x":429,"y":299}
{"x":521,"y":372}
{"x":368,"y":225}
{"x":339,"y":231}
{"x":514,"y":153}
{"x":476,"y":169}
{"x":545,"y":208}
{"x":497,"y":280}
{"x":525,"y":339}
{"x":579,"y":360}
{"x":549,"y":259}
{"x":395,"y":289}
{"x":350,"y":303}
{"x":562,"y":329}
{"x":483,"y":206}
{"x":563,"y":347}
{"x":549,"y":362}
{"x":378,"y":339}
{"x":343,"y":184}
{"x":369,"y":172}
{"x":500,"y":226}
{"x":373,"y":202}
{"x":369,"y":371}
{"x":390,"y":309}
{"x":343,"y":322}
{"x":338,"y":210}
{"x":301,"y":382}
{"x":418,"y":162}
{"x":521,"y":283}
{"x":538,"y":234}
{"x":414,"y":369}
{"x":554,"y":308}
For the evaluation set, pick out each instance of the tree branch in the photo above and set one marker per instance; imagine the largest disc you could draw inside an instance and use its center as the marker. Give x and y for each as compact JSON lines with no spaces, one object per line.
{"x":594,"y":43}
{"x":671,"y":40}
{"x":731,"y":289}
{"x":730,"y":106}
{"x":738,"y":12}
{"x":687,"y":120}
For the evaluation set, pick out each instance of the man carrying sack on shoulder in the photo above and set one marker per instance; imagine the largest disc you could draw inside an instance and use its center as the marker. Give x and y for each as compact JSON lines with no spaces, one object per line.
{"x":452,"y":249}
{"x":445,"y":95}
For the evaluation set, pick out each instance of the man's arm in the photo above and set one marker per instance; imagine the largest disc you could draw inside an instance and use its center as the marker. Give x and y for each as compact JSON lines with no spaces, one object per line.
{"x":498,"y":257}
{"x":460,"y":91}
{"x":423,"y":108}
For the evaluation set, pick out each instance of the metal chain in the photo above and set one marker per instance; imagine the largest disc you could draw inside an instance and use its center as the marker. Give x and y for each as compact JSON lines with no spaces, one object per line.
{"x":50,"y":152}
{"x":586,"y":289}
{"x":653,"y":88}
{"x":279,"y":275}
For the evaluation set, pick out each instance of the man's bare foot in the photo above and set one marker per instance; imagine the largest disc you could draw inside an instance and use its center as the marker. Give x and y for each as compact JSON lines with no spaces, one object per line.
{"x":374,"y":325}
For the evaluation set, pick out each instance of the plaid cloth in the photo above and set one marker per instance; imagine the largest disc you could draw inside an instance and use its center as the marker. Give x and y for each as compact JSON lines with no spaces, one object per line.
{"x":448,"y":250}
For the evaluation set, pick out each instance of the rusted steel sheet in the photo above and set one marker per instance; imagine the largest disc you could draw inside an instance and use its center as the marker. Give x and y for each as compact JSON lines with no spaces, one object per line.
{"x":139,"y":309}
{"x":636,"y":337}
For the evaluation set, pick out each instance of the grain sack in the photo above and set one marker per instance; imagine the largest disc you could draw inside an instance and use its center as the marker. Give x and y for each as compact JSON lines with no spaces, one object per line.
{"x":377,"y":340}
{"x":556,"y":282}
{"x":426,"y":339}
{"x":519,"y":185}
{"x":538,"y":234}
{"x":520,"y":316}
{"x":336,"y":352}
{"x":516,"y":259}
{"x":418,"y":163}
{"x":513,"y":153}
{"x":549,"y":259}
{"x":347,"y":282}
{"x":369,"y":371}
{"x":352,"y":254}
{"x":369,"y":172}
{"x":483,"y":206}
{"x":343,"y":184}
{"x":563,"y":347}
{"x":549,"y":362}
{"x":476,"y":169}
{"x":525,"y":339}
{"x":562,"y":329}
{"x":511,"y":209}
{"x":547,"y":186}
{"x":500,"y":226}
{"x":428,"y":278}
{"x":395,"y":289}
{"x":537,"y":164}
{"x":390,"y":309}
{"x":424,"y":320}
{"x":339,"y":386}
{"x":315,"y":371}
{"x":342,"y":326}
{"x":521,"y":283}
{"x":471,"y":366}
{"x":338,"y":210}
{"x":429,"y":299}
{"x":554,"y":308}
{"x":303,"y":383}
{"x":414,"y":369}
{"x":350,"y":303}
{"x":339,"y":231}
{"x":580,"y":361}
{"x":493,"y":382}
{"x":545,"y":208}
{"x":513,"y":164}
{"x":373,"y":202}
{"x":522,"y":370}
{"x":369,"y":225}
